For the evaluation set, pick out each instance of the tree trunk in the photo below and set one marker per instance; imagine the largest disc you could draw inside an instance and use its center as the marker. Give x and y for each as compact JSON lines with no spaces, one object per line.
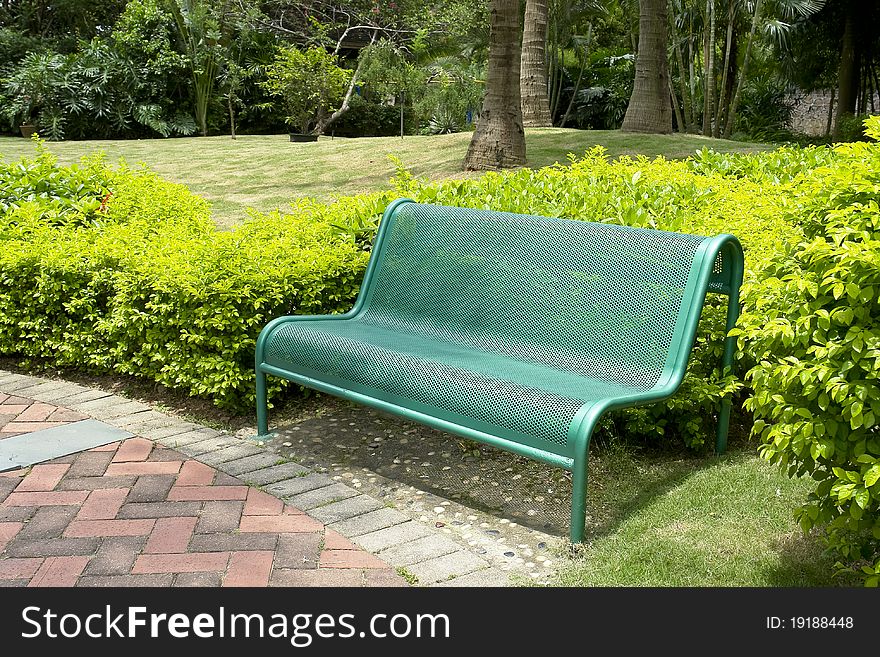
{"x":709,"y":76}
{"x":650,"y":109}
{"x":499,"y":141}
{"x":731,"y":115}
{"x":533,"y":74}
{"x":848,"y":70}
{"x":686,"y":98}
{"x":725,"y":69}
{"x":231,"y":115}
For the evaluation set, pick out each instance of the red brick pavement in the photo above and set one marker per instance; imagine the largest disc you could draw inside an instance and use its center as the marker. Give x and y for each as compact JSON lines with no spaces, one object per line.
{"x":129,"y":514}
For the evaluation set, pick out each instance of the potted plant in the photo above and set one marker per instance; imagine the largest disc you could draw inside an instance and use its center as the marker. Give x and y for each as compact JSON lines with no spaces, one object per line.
{"x":309,"y":85}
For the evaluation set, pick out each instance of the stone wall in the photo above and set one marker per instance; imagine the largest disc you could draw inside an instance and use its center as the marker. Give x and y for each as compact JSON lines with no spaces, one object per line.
{"x":810,"y":114}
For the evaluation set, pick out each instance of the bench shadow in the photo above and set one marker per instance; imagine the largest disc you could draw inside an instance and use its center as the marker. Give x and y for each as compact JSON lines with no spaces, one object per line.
{"x":341,"y":436}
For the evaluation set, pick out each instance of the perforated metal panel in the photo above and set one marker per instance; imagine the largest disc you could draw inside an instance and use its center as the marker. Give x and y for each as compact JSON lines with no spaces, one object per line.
{"x":510,"y":321}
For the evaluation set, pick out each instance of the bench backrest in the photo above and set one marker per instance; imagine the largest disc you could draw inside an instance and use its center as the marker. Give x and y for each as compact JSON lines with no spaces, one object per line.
{"x":600,"y":300}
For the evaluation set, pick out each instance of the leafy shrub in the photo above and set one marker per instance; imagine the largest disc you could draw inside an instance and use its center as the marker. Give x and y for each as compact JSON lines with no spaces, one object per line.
{"x":813,"y":327}
{"x":153,"y":289}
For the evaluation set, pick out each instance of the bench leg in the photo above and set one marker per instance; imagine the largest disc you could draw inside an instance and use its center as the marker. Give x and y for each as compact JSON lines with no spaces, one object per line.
{"x":578,"y":499}
{"x":262,"y":406}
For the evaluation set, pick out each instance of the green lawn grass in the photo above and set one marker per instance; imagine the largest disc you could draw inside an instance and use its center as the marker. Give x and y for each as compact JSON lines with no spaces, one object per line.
{"x":677,"y":521}
{"x":267,"y":172}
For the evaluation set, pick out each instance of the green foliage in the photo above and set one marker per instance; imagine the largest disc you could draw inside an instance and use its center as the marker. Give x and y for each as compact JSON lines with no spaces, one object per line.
{"x":152,"y":289}
{"x":309,"y":83}
{"x":812,"y":327}
{"x":37,"y":191}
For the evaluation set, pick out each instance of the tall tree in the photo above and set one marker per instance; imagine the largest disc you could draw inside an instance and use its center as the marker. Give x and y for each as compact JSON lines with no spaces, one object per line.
{"x":499,"y":140}
{"x":650,"y":108}
{"x":848,"y":70}
{"x":533,"y":74}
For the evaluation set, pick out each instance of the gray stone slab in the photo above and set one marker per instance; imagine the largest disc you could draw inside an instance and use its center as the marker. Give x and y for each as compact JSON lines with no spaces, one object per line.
{"x":207,"y":445}
{"x":110,"y":413}
{"x":189,"y":437}
{"x":89,"y":394}
{"x":8,"y":377}
{"x":446,"y":567}
{"x":168,"y":433}
{"x":369,"y":522}
{"x":231,"y":453}
{"x":290,"y":488}
{"x":275,"y":473}
{"x":345,"y":509}
{"x":419,"y":550}
{"x":250,"y":463}
{"x":488,"y":577}
{"x":66,"y":391}
{"x":385,"y":538}
{"x":320,"y":496}
{"x":20,"y":383}
{"x":29,"y":448}
{"x":97,"y":404}
{"x":43,"y":387}
{"x":139,"y":418}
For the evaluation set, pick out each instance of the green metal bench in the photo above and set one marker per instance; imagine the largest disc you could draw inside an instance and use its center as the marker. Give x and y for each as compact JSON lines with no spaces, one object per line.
{"x":512,"y":330}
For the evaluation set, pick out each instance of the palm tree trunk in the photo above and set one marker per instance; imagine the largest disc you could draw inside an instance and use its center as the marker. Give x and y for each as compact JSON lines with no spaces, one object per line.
{"x":499,"y":140}
{"x":709,"y":77}
{"x":650,"y":109}
{"x":725,"y":67}
{"x":686,"y":98}
{"x":533,"y":73}
{"x":848,"y":70}
{"x":731,"y":115}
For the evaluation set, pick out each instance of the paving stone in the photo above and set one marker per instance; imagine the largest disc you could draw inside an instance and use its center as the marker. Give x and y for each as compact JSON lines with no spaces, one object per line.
{"x":369,"y":522}
{"x":52,"y":548}
{"x":248,"y":569}
{"x":191,"y":562}
{"x":166,"y":434}
{"x":385,"y":538}
{"x":230,"y":453}
{"x":421,"y":549}
{"x":319,"y":496}
{"x":349,"y":559}
{"x":197,"y":579}
{"x":280,"y":524}
{"x":159,"y":510}
{"x":194,"y":473}
{"x":223,"y":479}
{"x":313,"y":578}
{"x":345,"y":509}
{"x":383,"y":578}
{"x":232,"y":542}
{"x":90,"y":464}
{"x":298,"y":550}
{"x":63,"y":392}
{"x":188,"y":438}
{"x":249,"y":463}
{"x":95,"y":483}
{"x":48,"y":522}
{"x":126,"y":581}
{"x":151,"y":488}
{"x":448,"y":566}
{"x":42,"y":391}
{"x":275,"y":473}
{"x":486,"y":578}
{"x":110,"y":413}
{"x":17,"y":513}
{"x":20,"y":383}
{"x":207,"y":446}
{"x":116,"y":555}
{"x":97,"y":405}
{"x":89,"y":394}
{"x":289,"y":488}
{"x":219,"y":517}
{"x":59,"y":571}
{"x":139,"y":418}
